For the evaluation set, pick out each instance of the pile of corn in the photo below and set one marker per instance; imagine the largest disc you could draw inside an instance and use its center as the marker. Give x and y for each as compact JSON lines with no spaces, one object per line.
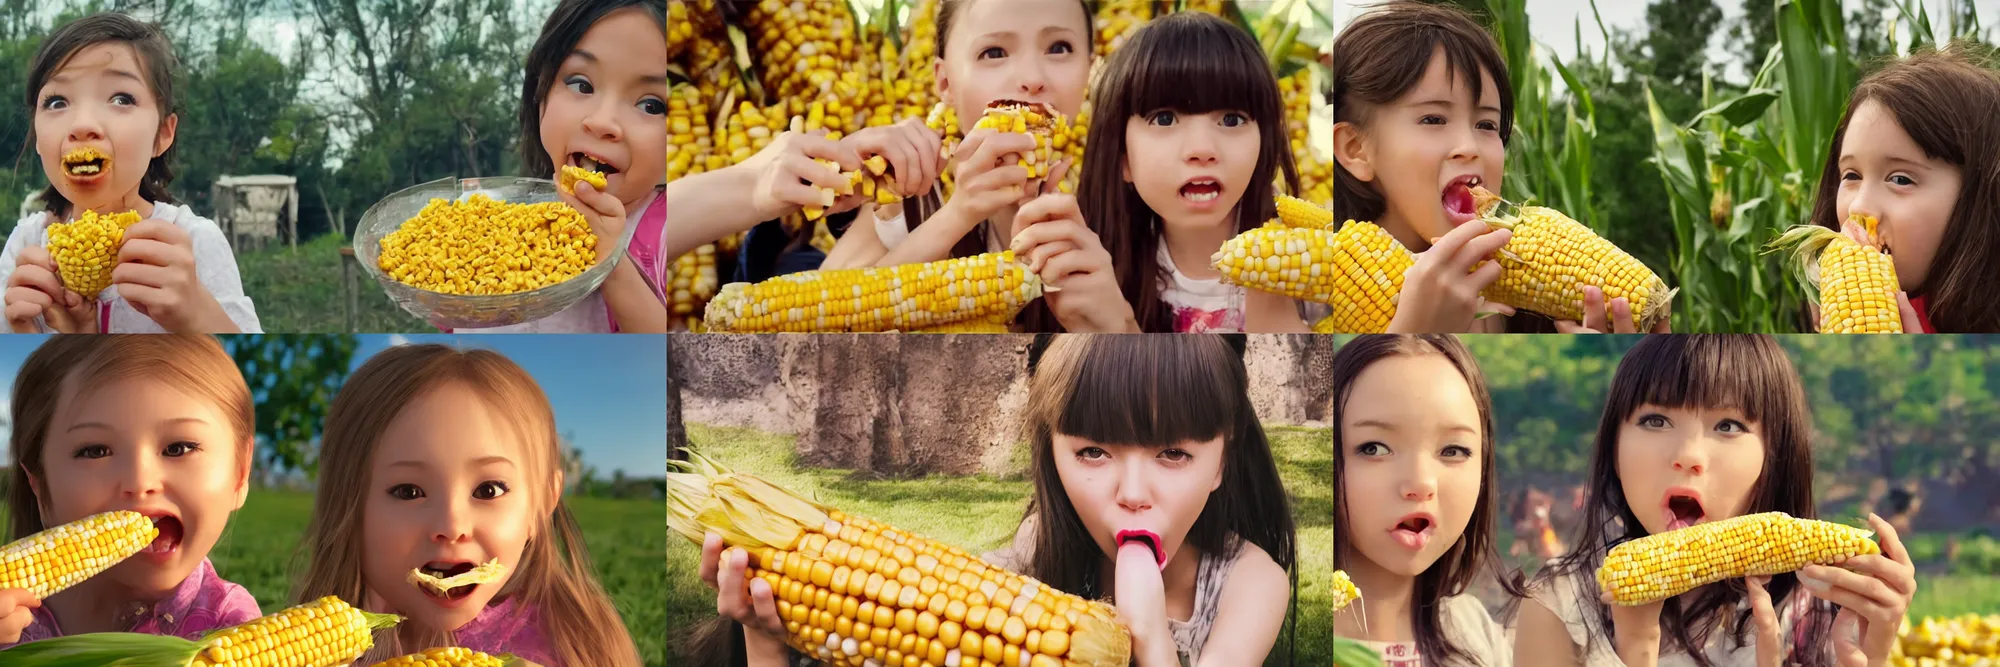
{"x":85,"y":251}
{"x":482,"y":246}
{"x":855,"y":592}
{"x":49,"y":561}
{"x":454,"y":656}
{"x":1970,"y":640}
{"x":1657,"y":567}
{"x":982,"y":291}
{"x":323,"y":633}
{"x":1117,"y":20}
{"x":1315,"y":167}
{"x":1853,"y":284}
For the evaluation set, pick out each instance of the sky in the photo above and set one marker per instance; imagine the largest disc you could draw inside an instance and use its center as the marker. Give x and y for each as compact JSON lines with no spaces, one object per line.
{"x":609,"y":391}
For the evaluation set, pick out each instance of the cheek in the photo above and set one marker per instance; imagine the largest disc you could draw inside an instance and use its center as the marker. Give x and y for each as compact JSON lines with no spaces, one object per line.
{"x":560,"y":116}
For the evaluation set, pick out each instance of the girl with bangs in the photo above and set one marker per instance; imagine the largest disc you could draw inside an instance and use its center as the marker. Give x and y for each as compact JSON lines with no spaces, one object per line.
{"x":1186,"y":139}
{"x":1414,"y":511}
{"x":1154,"y":487}
{"x":1701,"y":428}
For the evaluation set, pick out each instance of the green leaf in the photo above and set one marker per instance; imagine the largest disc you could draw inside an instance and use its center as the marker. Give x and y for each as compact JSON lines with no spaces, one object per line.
{"x":1742,"y":109}
{"x":1350,"y":653}
{"x":104,"y":649}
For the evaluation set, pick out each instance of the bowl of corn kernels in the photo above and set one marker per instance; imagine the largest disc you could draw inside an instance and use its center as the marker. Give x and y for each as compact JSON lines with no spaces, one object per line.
{"x":483,"y":252}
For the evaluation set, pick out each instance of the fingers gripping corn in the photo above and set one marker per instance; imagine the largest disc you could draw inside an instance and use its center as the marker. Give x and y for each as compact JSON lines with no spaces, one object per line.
{"x":86,"y":251}
{"x":1855,"y":285}
{"x":47,"y":562}
{"x":485,"y":246}
{"x":1552,"y":258}
{"x":570,"y":175}
{"x":909,"y":297}
{"x":1657,"y":567}
{"x":856,"y":592}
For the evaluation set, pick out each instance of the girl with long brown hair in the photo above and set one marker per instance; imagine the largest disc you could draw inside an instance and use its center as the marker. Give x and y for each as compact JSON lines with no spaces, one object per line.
{"x":440,"y":460}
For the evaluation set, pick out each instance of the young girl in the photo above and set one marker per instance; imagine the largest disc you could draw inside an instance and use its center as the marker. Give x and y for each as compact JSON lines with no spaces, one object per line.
{"x":1171,"y":172}
{"x":1695,"y":429}
{"x":105,"y":83}
{"x":595,"y":96}
{"x":1908,"y":152}
{"x":1150,"y":435}
{"x":1413,"y":519}
{"x":1423,"y":110}
{"x":159,"y":425}
{"x":443,"y":459}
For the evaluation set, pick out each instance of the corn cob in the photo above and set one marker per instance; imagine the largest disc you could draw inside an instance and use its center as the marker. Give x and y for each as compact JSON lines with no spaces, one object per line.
{"x":487,"y":573}
{"x":1855,"y":285}
{"x":1205,"y":6}
{"x":898,"y":298}
{"x":1344,"y":592}
{"x":1552,"y":257}
{"x":484,"y":246}
{"x":680,"y":31}
{"x":1117,"y":20}
{"x":856,"y":592}
{"x":1358,"y":270}
{"x":322,"y":633}
{"x":1657,"y":567}
{"x":454,"y":656}
{"x":567,"y":180}
{"x":47,"y":562}
{"x":85,"y":251}
{"x":693,"y":281}
{"x":1295,"y":212}
{"x":1969,"y":640}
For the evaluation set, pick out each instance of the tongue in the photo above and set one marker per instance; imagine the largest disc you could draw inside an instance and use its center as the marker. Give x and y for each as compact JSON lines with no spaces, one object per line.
{"x":169,"y":537}
{"x":1458,"y":200}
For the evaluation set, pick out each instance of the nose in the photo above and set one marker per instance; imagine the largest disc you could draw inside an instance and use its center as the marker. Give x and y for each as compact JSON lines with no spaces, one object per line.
{"x":1420,"y":484}
{"x":602,"y":120}
{"x":1134,"y":494}
{"x":1031,"y":78}
{"x":1198,"y":144}
{"x":1466,"y":148}
{"x":453,"y":521}
{"x":1692,"y":456}
{"x":84,"y":125}
{"x":142,"y":477}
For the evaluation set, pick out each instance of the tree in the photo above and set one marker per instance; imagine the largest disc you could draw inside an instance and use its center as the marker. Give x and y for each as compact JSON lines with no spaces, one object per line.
{"x":676,"y":430}
{"x":293,"y":379}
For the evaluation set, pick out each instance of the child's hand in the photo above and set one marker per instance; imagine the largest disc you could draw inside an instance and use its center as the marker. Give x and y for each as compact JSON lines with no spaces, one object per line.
{"x":1769,"y":639}
{"x":156,"y":274}
{"x":987,"y":181}
{"x":605,"y":213}
{"x":1441,"y":291}
{"x":16,"y":613}
{"x":787,"y":176}
{"x":911,"y":147}
{"x":1873,"y":592}
{"x":35,"y":291}
{"x":1078,"y":282}
{"x":1638,"y":636}
{"x":1142,"y":601}
{"x":1618,"y":313}
{"x":753,"y":605}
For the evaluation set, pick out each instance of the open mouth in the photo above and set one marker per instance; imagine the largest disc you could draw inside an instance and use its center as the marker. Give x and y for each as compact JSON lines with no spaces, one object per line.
{"x":85,"y":162}
{"x":1146,"y":537}
{"x":1202,"y":190}
{"x":591,"y":163}
{"x":1459,"y":205}
{"x":1414,"y":531}
{"x":168,"y":541}
{"x":1684,"y":509}
{"x":447,"y":570}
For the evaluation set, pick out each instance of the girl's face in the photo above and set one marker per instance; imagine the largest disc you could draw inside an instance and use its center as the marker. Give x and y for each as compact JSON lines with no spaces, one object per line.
{"x":448,"y":490}
{"x":1424,"y":150}
{"x":143,"y":445}
{"x":1025,"y":50}
{"x":1121,"y":488}
{"x":1192,"y":169}
{"x":99,"y":99}
{"x":1684,"y":466}
{"x":1411,"y":442}
{"x":1885,"y":174}
{"x":608,"y":109}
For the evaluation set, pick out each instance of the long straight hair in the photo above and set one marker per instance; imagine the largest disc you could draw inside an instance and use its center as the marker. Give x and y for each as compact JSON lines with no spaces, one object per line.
{"x":555,"y":572}
{"x":1745,"y":372}
{"x":1945,"y":101}
{"x":1454,"y":571}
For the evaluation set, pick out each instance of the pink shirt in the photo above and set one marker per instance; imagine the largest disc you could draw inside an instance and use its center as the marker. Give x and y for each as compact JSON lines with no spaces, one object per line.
{"x":510,"y":626}
{"x":203,"y":602}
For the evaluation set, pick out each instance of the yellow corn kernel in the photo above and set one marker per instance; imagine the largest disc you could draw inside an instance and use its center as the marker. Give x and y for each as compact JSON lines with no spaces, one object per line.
{"x":323,"y":633}
{"x":1551,"y":258}
{"x":1358,"y":270}
{"x":1295,"y":212}
{"x":482,"y":246}
{"x":1855,"y":285}
{"x":900,"y":298}
{"x":454,"y":656}
{"x":1657,"y":567}
{"x":85,"y":251}
{"x":57,"y":558}
{"x":793,"y":541}
{"x":1344,"y":592}
{"x":566,"y":181}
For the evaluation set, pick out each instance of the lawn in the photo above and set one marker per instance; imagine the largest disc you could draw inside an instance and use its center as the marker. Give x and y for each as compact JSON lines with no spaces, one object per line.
{"x":298,"y":291}
{"x":980,"y":512}
{"x":625,"y":539}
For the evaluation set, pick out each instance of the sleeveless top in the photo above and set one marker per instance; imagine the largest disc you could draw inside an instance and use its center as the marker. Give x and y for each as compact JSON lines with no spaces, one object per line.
{"x":1469,"y":628}
{"x":1567,"y":604}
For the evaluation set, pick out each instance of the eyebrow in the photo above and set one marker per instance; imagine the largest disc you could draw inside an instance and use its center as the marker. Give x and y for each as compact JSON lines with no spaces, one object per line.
{"x":481,"y":461}
{"x":1386,"y":426}
{"x":108,"y":427}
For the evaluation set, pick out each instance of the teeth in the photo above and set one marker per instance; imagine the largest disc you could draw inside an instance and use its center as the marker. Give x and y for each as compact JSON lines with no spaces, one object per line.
{"x":1203,"y":196}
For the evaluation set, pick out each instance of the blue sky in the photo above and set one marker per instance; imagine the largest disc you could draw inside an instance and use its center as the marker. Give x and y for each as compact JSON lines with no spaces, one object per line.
{"x":610,"y":391}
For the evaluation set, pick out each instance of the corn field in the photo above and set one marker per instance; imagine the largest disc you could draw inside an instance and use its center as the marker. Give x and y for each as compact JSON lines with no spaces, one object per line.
{"x":1736,"y":174}
{"x":743,"y":70}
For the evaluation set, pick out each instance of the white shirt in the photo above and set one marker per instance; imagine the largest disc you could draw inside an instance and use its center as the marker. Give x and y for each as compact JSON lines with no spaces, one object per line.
{"x":214,"y":266}
{"x":1200,"y":306}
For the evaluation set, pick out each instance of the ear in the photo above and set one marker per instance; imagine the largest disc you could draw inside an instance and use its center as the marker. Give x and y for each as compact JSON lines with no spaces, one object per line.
{"x":35,"y":486}
{"x":243,"y":473}
{"x":169,"y":128}
{"x":943,"y":82}
{"x":1351,"y":150}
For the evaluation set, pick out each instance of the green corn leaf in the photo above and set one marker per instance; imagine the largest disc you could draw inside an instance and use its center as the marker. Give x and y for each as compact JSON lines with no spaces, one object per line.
{"x":105,"y":649}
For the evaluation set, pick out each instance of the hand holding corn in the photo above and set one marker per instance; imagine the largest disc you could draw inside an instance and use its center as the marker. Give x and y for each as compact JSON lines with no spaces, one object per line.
{"x":1657,"y":567}
{"x":1852,"y":282}
{"x":36,"y":296}
{"x":1551,"y":258}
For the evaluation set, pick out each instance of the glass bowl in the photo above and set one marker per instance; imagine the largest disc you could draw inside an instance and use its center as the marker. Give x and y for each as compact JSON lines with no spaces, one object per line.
{"x":475,"y":311}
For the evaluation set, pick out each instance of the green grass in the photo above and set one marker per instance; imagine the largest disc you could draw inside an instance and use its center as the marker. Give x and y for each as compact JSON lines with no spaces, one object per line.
{"x":625,"y":539}
{"x":298,"y":291}
{"x":980,"y":513}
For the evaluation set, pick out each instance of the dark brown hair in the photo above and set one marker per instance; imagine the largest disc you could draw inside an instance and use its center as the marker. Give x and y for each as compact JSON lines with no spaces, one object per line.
{"x":1746,"y":372}
{"x":1453,"y":571}
{"x":66,"y":366}
{"x":156,"y":56}
{"x":1945,"y":101}
{"x":1158,"y":69}
{"x":565,"y":27}
{"x":1385,"y":53}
